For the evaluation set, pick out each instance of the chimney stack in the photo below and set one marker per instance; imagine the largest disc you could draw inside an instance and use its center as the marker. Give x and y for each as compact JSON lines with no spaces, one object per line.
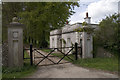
{"x":87,"y":19}
{"x":86,"y":14}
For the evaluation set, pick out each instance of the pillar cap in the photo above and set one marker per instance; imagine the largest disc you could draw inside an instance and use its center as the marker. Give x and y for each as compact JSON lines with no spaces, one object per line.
{"x":15,"y":20}
{"x":15,"y":23}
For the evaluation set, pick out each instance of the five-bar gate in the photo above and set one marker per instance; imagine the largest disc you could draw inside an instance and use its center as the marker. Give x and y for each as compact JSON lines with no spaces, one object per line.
{"x":37,"y":56}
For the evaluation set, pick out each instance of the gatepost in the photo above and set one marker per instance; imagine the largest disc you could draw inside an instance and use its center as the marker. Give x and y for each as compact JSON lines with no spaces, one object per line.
{"x":87,"y":40}
{"x":15,"y":44}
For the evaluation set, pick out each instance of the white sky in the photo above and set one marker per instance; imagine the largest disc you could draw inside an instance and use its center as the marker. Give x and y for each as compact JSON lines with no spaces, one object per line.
{"x":97,"y":10}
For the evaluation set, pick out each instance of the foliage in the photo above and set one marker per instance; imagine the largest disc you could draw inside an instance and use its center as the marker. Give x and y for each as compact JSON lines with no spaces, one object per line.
{"x":46,"y":50}
{"x":84,"y":24}
{"x":9,"y":10}
{"x":108,"y":35}
{"x":63,"y":41}
{"x":72,"y":44}
{"x":39,"y":18}
{"x":87,"y":29}
{"x":18,"y":72}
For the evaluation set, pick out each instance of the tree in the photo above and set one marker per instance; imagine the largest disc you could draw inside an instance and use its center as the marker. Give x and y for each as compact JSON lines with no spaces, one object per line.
{"x":9,"y":10}
{"x":108,"y":34}
{"x":41,"y":18}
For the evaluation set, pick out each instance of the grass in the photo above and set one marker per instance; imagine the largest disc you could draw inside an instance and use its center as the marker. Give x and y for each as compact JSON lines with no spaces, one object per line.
{"x":108,"y":64}
{"x":65,"y":58}
{"x":17,"y":72}
{"x":46,"y":50}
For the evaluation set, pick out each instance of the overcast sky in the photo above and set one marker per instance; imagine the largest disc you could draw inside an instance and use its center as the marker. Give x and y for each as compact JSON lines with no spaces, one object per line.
{"x":97,"y":10}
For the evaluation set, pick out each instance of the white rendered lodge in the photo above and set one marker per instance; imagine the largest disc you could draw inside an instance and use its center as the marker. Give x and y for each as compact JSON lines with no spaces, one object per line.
{"x":67,"y":36}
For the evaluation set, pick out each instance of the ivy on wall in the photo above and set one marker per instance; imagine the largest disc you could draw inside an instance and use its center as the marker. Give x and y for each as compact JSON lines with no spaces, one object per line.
{"x":84,"y":24}
{"x":87,"y":28}
{"x":63,"y":41}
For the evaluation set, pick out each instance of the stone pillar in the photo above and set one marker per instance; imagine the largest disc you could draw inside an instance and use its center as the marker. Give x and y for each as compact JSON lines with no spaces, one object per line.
{"x":87,"y":45}
{"x":87,"y":41}
{"x":84,"y":40}
{"x":15,"y":44}
{"x":77,"y":37}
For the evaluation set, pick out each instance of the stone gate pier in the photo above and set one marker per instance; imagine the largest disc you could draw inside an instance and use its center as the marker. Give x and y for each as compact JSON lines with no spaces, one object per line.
{"x":15,"y":44}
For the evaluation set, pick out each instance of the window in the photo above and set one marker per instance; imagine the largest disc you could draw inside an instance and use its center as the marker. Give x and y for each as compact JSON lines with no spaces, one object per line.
{"x":68,"y":42}
{"x":53,"y":42}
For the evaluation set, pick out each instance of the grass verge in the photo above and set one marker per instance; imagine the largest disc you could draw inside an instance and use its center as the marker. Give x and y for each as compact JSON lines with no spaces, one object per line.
{"x":17,"y":72}
{"x":107,"y":64}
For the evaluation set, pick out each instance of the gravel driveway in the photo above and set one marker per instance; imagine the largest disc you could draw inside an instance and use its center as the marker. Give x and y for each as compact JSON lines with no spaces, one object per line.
{"x":68,"y":70}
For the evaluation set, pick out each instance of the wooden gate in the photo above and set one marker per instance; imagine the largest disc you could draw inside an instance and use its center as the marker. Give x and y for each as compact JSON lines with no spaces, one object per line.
{"x":53,"y":55}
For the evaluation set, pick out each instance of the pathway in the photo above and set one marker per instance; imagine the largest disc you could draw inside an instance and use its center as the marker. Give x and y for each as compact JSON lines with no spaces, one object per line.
{"x":68,"y":70}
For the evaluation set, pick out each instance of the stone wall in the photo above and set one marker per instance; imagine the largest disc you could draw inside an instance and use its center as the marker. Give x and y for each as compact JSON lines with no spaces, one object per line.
{"x":5,"y":54}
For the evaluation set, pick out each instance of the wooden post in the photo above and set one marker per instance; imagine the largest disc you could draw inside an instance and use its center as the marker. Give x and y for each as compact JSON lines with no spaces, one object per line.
{"x":76,"y":51}
{"x":31,"y":57}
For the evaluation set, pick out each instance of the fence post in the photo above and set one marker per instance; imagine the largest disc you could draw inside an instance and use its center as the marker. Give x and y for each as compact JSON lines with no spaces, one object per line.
{"x":76,"y":51}
{"x":31,"y":57}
